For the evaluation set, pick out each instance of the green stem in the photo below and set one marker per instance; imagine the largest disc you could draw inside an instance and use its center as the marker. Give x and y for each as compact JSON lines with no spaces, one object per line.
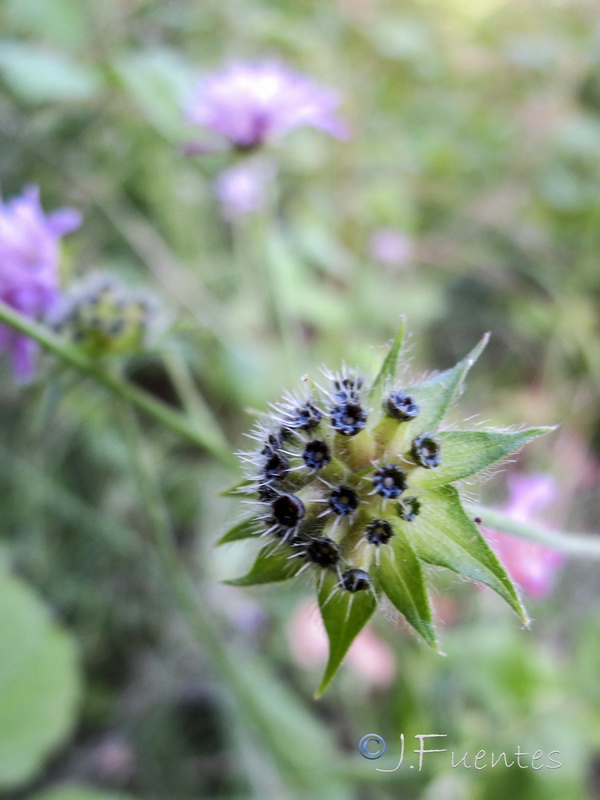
{"x":126,"y":391}
{"x":195,"y":405}
{"x":584,"y":545}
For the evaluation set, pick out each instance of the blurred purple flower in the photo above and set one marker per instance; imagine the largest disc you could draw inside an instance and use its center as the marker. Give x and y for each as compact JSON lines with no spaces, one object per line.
{"x":533,"y":566}
{"x":249,"y":104}
{"x":29,"y":254}
{"x":242,"y":189}
{"x":391,"y":247}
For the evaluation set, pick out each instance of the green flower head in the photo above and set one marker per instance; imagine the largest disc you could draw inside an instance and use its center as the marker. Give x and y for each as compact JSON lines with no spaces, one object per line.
{"x":355,"y":483}
{"x":104,"y":318}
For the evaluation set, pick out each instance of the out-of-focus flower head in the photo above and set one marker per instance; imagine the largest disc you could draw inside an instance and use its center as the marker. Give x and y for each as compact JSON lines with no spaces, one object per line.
{"x":103,"y":317}
{"x":532,"y":566}
{"x":250,"y":104}
{"x":391,"y":247}
{"x":242,"y":189}
{"x":29,"y":280}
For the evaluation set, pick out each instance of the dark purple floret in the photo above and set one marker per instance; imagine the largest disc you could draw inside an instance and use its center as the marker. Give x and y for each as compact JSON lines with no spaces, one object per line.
{"x":316,"y":454}
{"x":276,"y":466}
{"x":379,"y":531}
{"x":266,"y":493}
{"x":287,"y":511}
{"x":401,"y":406}
{"x":389,"y":481}
{"x":426,"y":451}
{"x":348,"y":418}
{"x":322,"y":551}
{"x":347,"y":390}
{"x":408,"y":509}
{"x":355,"y":580}
{"x":305,"y":417}
{"x":343,"y":501}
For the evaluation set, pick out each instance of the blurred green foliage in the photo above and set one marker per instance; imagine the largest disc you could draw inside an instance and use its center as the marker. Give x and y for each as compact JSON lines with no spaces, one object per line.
{"x":476,"y":134}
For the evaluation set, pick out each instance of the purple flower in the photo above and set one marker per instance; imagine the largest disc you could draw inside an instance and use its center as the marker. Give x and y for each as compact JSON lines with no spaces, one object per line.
{"x":242,"y":189}
{"x":249,"y":104}
{"x":29,"y":254}
{"x":531,"y":565}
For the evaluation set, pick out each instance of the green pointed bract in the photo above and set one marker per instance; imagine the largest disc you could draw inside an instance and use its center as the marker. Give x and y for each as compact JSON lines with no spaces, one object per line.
{"x":444,"y":535}
{"x":344,"y":615}
{"x":400,"y":577}
{"x":465,"y":453}
{"x":245,"y":487}
{"x":274,"y":563}
{"x":437,"y":394}
{"x":389,"y":367}
{"x":245,"y":529}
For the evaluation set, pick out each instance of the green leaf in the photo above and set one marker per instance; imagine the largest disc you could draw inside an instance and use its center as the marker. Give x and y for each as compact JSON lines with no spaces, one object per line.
{"x":273,"y":563}
{"x":160,"y":82}
{"x":70,"y":792}
{"x":344,"y":615}
{"x":243,"y":530}
{"x":443,"y":534}
{"x":37,"y":75}
{"x":389,"y":367}
{"x":241,"y":487}
{"x":400,"y":576}
{"x":436,"y":395}
{"x":39,"y":683}
{"x":465,"y":453}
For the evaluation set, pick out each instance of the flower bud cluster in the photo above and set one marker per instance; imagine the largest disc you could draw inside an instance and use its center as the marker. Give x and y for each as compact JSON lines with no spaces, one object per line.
{"x":105,"y":318}
{"x":333,"y":475}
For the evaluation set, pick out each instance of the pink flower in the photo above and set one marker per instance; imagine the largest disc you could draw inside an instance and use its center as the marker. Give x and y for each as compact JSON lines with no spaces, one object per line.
{"x":29,"y":253}
{"x":533,"y":566}
{"x":391,"y":247}
{"x":249,"y":104}
{"x":242,"y":189}
{"x":369,"y":657}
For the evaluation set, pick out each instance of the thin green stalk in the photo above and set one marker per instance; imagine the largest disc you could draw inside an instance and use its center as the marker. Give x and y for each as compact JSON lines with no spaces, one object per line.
{"x":583,"y":545}
{"x":193,"y":401}
{"x":117,"y":385}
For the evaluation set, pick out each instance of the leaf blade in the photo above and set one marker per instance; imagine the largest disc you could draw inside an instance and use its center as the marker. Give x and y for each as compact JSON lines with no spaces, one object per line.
{"x":400,"y":576}
{"x":465,"y":453}
{"x":389,"y":366}
{"x":343,"y":622}
{"x":245,"y":529}
{"x":272,"y":565}
{"x":437,"y":394}
{"x":444,"y":535}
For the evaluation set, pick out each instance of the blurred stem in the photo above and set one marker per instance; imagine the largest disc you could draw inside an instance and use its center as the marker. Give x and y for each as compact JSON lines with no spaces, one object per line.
{"x":574,"y":544}
{"x":118,"y":386}
{"x":193,"y":401}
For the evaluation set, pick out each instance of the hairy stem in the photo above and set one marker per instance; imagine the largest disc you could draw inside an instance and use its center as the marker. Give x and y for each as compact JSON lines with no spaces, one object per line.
{"x":583,"y":545}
